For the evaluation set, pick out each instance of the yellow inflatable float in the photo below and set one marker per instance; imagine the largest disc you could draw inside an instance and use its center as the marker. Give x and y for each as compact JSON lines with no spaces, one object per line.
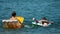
{"x":19,"y":18}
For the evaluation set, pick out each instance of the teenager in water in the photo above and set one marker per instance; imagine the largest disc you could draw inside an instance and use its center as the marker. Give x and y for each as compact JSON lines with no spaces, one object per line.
{"x":12,"y":24}
{"x":44,"y":21}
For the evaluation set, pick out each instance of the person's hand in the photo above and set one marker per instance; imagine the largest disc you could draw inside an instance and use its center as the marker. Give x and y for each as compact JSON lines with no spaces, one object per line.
{"x":33,"y":19}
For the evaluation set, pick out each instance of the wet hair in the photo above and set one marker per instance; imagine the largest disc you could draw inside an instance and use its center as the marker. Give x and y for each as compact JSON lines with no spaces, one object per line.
{"x":44,"y":18}
{"x":45,"y":22}
{"x":13,"y":13}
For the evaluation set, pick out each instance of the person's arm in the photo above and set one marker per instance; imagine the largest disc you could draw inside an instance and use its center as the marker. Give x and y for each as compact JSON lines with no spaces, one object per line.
{"x":35,"y":20}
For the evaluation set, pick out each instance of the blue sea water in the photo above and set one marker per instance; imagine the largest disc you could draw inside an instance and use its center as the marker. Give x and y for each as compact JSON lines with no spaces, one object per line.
{"x":29,"y":9}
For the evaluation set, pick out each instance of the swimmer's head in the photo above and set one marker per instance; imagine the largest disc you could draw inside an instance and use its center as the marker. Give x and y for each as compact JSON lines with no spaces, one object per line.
{"x":44,"y":18}
{"x":13,"y":13}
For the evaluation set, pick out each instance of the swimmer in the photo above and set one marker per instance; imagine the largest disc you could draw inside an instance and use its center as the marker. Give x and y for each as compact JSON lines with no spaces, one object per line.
{"x":44,"y":21}
{"x":12,"y":24}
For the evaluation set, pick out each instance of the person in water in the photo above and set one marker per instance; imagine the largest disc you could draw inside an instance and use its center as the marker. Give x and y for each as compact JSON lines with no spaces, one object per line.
{"x":12,"y":24}
{"x":14,"y":18}
{"x":43,"y":20}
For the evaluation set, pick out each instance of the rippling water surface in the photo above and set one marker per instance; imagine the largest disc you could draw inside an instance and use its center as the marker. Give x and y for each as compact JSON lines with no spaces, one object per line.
{"x":29,"y":9}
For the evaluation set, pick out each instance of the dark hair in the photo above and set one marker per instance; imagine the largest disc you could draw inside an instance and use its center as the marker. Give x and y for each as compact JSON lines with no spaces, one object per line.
{"x":44,"y":18}
{"x":13,"y":13}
